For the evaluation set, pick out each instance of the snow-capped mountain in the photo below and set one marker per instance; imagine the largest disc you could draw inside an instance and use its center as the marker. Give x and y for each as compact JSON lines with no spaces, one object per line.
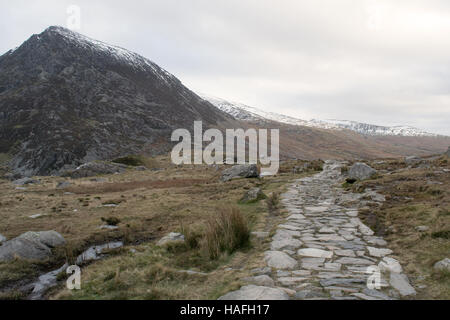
{"x":246,"y":113}
{"x":67,"y":99}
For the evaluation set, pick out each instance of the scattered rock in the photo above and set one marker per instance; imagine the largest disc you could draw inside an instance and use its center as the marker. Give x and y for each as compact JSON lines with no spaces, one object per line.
{"x":140,"y":168}
{"x":361,"y":171}
{"x":400,"y":282}
{"x":25,"y":181}
{"x":252,"y":292}
{"x":35,"y":216}
{"x":45,"y":282}
{"x":63,"y":184}
{"x":262,"y":280}
{"x":448,"y":152}
{"x":95,"y":168}
{"x":108,"y":227}
{"x":97,"y":252}
{"x":253,"y":195}
{"x":171,"y":237}
{"x":279,"y":260}
{"x":443,"y":265}
{"x":192,"y":272}
{"x":240,"y":171}
{"x":422,"y":228}
{"x":412,"y":160}
{"x":2,"y":238}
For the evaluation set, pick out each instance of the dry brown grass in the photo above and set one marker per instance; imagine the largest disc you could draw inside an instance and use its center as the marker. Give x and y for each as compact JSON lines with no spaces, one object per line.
{"x":150,"y":204}
{"x":227,"y":232}
{"x":418,"y":196}
{"x":133,"y":185}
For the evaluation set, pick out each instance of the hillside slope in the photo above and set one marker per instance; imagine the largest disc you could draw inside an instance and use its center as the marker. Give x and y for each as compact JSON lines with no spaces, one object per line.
{"x":66,"y":99}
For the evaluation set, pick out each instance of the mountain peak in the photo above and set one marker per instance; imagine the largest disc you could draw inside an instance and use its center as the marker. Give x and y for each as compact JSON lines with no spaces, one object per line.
{"x":66,"y":99}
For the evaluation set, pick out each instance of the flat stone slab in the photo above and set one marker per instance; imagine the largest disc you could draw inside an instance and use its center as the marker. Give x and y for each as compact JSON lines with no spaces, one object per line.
{"x":315,"y":253}
{"x":289,"y":281}
{"x":345,"y":253}
{"x":400,"y":282}
{"x":296,"y":216}
{"x":341,"y":282}
{"x":316,"y":209}
{"x":357,"y":261}
{"x":379,"y":253}
{"x":279,"y":260}
{"x":262,"y":280}
{"x":290,"y":244}
{"x":252,"y":292}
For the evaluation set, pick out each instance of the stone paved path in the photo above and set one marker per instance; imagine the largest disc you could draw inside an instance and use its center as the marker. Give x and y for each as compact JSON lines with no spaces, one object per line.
{"x":323,"y":250}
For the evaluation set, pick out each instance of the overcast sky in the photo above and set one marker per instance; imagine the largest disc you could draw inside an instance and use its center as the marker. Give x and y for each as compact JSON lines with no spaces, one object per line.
{"x":376,"y":61}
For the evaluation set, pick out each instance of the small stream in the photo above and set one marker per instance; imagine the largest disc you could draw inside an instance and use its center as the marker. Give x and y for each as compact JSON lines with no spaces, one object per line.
{"x":49,"y":280}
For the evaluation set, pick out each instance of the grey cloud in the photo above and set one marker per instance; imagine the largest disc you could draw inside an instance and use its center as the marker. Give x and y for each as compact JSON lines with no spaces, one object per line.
{"x":386,"y":62}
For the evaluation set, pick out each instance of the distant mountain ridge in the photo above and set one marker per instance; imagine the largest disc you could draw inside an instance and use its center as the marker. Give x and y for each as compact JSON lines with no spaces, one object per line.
{"x":246,"y":113}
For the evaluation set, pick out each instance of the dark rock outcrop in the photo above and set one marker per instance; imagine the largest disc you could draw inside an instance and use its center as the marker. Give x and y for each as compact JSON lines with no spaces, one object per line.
{"x":66,"y":99}
{"x":95,"y":168}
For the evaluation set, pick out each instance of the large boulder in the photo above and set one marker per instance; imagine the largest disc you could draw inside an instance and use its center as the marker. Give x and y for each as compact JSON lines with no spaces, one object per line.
{"x":95,"y":168}
{"x":31,"y":246}
{"x":240,"y":171}
{"x":361,"y":171}
{"x":253,"y":195}
{"x":51,"y":239}
{"x":2,"y":239}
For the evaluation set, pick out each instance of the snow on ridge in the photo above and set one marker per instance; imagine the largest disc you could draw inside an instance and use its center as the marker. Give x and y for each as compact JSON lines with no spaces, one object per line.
{"x":246,"y":113}
{"x":135,"y":60}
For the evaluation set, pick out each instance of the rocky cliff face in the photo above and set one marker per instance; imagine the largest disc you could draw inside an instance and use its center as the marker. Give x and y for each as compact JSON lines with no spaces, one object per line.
{"x":66,"y":99}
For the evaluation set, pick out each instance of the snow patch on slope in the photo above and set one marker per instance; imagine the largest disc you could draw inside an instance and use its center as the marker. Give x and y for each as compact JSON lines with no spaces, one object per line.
{"x":246,"y":113}
{"x":135,"y":60}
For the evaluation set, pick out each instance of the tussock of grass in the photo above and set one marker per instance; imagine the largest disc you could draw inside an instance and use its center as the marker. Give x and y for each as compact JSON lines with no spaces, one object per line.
{"x":273,"y":202}
{"x":226,"y":232}
{"x":111,"y":221}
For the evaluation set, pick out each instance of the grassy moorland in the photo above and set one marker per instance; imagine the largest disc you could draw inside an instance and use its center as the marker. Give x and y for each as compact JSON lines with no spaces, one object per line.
{"x":146,"y":206}
{"x":415,"y":219}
